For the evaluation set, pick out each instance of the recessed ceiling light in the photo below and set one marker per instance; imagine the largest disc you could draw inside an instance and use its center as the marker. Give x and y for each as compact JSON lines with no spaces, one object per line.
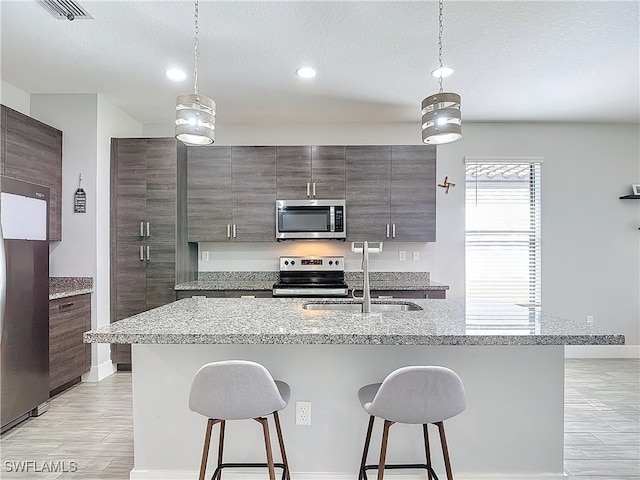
{"x":175,"y":74}
{"x":442,"y":72}
{"x":306,"y":72}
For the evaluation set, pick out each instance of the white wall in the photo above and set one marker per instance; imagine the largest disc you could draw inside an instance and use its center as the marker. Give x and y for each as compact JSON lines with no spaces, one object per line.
{"x":15,"y":98}
{"x":591,"y":243}
{"x":76,"y":116}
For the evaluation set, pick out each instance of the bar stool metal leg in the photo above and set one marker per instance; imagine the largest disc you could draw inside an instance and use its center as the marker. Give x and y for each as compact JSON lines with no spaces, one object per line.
{"x":363,"y":475}
{"x":383,"y":448}
{"x":267,"y":443}
{"x":445,"y":450}
{"x":427,"y":450}
{"x":281,"y":442}
{"x":205,"y":451}
{"x":218,"y":475}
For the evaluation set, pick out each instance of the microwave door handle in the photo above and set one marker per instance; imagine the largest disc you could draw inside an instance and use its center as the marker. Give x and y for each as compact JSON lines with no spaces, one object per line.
{"x":332,"y":217}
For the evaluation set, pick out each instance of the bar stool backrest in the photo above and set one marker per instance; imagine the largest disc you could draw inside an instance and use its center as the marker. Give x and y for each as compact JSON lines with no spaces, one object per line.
{"x":234,"y":390}
{"x":419,"y":395}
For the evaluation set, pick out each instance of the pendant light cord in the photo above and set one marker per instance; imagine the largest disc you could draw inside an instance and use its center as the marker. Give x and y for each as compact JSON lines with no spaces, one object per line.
{"x":440,"y":30}
{"x":195,"y":51}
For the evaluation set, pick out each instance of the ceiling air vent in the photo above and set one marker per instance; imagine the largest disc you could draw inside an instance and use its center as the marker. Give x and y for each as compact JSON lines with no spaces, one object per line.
{"x":65,"y":9}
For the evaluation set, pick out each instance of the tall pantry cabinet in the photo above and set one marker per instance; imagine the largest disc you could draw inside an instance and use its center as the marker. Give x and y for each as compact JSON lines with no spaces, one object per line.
{"x":143,"y":228}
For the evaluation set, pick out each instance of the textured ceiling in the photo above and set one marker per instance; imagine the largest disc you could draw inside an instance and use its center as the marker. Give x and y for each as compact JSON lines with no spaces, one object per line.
{"x":514,"y":60}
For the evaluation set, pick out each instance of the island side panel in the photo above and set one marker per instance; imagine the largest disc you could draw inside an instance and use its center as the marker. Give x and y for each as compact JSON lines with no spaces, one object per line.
{"x":513,"y":424}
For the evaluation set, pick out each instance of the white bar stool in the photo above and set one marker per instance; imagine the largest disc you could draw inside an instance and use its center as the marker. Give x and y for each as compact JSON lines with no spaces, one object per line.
{"x":239,"y":390}
{"x":414,"y":395}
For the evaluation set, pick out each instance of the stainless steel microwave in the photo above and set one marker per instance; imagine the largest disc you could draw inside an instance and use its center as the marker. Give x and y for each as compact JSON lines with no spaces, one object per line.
{"x":310,"y":219}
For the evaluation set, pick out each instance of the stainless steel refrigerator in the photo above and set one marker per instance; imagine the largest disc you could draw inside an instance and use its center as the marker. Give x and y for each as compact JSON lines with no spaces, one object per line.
{"x":24,"y":300}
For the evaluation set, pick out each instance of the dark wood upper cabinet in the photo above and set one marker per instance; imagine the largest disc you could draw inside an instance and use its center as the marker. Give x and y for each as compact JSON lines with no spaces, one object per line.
{"x":389,"y":189}
{"x":32,"y":151}
{"x":209,"y":194}
{"x":310,"y":172}
{"x":231,"y":194}
{"x":413,"y":193}
{"x":390,"y":193}
{"x":368,"y":192}
{"x":293,"y":172}
{"x":254,"y":193}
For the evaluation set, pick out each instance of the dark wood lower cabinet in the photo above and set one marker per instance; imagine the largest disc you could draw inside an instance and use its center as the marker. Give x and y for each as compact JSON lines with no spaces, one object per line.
{"x":69,"y":357}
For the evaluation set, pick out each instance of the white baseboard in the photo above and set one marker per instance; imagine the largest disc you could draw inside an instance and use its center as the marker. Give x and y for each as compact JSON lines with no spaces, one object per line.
{"x":99,"y":372}
{"x":238,"y":474}
{"x":602,"y":351}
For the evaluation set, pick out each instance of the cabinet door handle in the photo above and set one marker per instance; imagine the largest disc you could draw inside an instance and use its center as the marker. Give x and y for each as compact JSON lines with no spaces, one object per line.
{"x":141,"y":253}
{"x":141,"y":228}
{"x":387,"y":230}
{"x":148,"y":230}
{"x":228,"y":231}
{"x":314,"y":189}
{"x":234,"y":230}
{"x":65,"y":305}
{"x":308,"y":190}
{"x":393,"y":231}
{"x":148,"y":253}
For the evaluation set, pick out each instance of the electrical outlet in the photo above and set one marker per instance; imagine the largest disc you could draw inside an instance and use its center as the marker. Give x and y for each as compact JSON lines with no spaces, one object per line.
{"x":402,"y":255}
{"x":303,"y":413}
{"x":590,"y":320}
{"x":416,"y":255}
{"x":205,"y":255}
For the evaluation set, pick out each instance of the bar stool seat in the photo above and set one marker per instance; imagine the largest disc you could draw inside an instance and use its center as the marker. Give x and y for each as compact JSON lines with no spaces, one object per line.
{"x":412,"y":395}
{"x":239,"y":390}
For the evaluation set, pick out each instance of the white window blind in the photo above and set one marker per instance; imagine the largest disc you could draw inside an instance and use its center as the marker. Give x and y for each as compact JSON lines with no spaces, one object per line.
{"x":502,"y":233}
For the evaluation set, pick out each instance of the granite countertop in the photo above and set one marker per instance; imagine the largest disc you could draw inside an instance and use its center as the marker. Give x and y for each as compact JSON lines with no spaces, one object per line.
{"x":265,"y":281}
{"x":285,"y":321}
{"x":62,"y":287}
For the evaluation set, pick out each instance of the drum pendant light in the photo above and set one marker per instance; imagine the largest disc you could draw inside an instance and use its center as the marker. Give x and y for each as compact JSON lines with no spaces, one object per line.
{"x":195,"y":113}
{"x":441,"y":120}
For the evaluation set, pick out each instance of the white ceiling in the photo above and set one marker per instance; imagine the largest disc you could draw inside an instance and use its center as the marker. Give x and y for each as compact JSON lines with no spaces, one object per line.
{"x":514,"y":60}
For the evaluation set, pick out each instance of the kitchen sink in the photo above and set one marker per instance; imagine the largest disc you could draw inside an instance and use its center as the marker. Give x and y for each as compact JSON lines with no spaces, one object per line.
{"x":357,"y":307}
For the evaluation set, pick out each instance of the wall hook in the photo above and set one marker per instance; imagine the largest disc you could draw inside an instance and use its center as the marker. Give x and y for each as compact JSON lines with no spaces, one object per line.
{"x":446,"y":184}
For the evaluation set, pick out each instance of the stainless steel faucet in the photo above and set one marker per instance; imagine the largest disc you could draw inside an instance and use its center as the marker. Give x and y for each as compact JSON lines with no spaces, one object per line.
{"x":357,"y":247}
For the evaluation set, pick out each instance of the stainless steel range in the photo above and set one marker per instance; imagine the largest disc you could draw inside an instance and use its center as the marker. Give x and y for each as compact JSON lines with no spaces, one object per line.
{"x":311,"y":277}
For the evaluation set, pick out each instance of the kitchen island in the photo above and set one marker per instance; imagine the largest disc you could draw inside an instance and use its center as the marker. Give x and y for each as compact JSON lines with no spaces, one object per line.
{"x":510,"y":358}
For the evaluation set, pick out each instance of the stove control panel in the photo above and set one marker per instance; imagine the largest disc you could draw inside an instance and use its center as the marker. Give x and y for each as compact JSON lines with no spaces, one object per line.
{"x":310,"y":264}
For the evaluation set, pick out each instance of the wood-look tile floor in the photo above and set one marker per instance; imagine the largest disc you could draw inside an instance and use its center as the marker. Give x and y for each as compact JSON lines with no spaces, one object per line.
{"x":91,"y":425}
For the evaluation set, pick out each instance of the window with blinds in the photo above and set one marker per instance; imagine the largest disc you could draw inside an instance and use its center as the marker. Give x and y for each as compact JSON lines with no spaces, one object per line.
{"x":502,"y":230}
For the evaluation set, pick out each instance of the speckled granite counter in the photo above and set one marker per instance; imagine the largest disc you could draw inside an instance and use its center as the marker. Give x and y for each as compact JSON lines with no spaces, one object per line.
{"x":394,"y":281}
{"x":265,"y":281}
{"x":285,"y":321}
{"x":231,"y":281}
{"x":62,"y":287}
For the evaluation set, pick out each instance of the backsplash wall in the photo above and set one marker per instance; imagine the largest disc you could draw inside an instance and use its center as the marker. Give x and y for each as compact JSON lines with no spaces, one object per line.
{"x":264,"y":256}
